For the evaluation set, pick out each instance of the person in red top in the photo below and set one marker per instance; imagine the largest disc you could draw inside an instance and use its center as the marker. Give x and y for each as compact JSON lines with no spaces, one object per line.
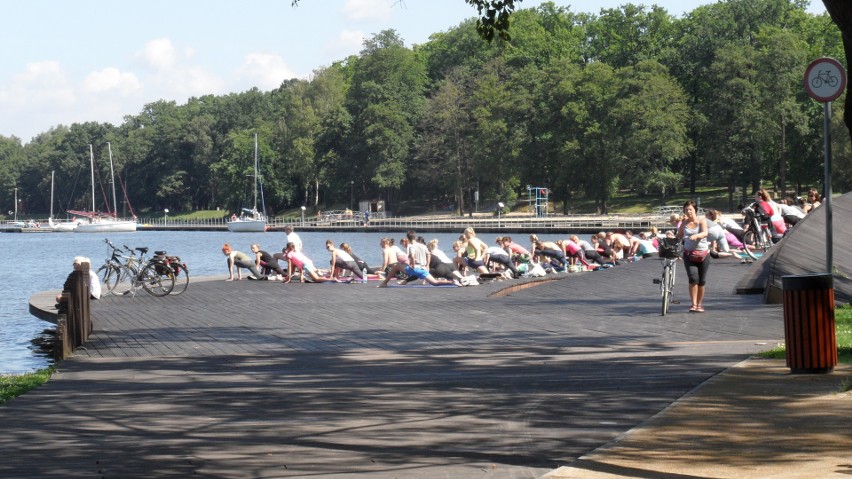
{"x":764,"y":201}
{"x":519,"y":253}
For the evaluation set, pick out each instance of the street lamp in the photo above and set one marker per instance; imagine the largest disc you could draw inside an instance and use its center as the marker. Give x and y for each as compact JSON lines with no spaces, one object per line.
{"x":166,"y":218}
{"x":351,"y":193}
{"x":303,"y":216}
{"x":500,"y":206}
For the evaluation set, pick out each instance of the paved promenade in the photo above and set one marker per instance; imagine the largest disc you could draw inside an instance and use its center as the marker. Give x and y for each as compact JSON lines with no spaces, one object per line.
{"x":262,"y":380}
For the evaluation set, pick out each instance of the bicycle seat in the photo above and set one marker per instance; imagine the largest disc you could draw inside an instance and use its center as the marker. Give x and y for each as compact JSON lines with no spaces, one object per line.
{"x":142,"y":250}
{"x":159,"y":253}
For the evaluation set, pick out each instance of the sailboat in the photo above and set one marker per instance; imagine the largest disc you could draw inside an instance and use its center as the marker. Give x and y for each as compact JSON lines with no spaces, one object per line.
{"x":100,"y":222}
{"x":59,"y":226}
{"x":251,"y":220}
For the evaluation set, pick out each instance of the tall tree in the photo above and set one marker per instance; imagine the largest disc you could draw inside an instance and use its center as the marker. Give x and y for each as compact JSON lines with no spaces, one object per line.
{"x":386,"y":101}
{"x":652,"y":115}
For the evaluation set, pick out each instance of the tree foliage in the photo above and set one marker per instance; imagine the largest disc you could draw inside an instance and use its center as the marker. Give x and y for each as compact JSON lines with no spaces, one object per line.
{"x":583,"y":104}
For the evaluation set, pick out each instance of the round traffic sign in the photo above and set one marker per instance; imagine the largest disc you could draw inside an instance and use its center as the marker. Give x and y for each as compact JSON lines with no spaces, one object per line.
{"x":825,"y":79}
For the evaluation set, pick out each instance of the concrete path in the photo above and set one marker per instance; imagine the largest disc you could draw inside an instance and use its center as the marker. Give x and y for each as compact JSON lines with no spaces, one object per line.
{"x":261,"y":379}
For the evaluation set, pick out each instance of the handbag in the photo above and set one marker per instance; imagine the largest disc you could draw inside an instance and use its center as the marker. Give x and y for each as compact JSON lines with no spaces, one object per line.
{"x":696,"y":256}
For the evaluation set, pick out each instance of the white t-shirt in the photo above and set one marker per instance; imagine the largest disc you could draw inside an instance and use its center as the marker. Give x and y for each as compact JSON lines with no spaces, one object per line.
{"x":294,"y":238}
{"x":94,"y":285}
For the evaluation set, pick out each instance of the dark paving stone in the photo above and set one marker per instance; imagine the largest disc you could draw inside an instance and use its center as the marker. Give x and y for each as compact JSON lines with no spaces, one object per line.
{"x":261,"y":379}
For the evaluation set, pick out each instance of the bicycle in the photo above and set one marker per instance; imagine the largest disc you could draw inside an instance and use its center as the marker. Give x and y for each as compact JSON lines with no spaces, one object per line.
{"x":178,"y":268}
{"x":670,"y":251}
{"x":154,"y":276}
{"x":756,"y":232}
{"x":110,"y":272}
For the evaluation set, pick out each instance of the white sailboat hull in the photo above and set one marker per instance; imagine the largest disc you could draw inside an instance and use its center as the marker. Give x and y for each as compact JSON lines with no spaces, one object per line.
{"x":107,"y":226}
{"x":62,"y":226}
{"x":247,"y":226}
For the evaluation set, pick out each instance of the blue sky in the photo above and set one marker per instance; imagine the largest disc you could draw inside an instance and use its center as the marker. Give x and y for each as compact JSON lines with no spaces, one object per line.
{"x":98,"y":60}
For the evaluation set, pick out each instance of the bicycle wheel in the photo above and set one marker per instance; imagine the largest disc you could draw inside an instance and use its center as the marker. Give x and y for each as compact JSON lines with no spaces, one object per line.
{"x":126,"y":281}
{"x":666,"y":287}
{"x":181,"y":278}
{"x":156,"y":283}
{"x":108,"y":274}
{"x":748,"y":252}
{"x":750,"y":238}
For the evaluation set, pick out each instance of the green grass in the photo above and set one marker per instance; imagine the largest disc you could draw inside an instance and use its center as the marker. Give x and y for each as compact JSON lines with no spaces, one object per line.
{"x":843,"y":327}
{"x":199,"y":215}
{"x":12,"y":386}
{"x":628,"y":202}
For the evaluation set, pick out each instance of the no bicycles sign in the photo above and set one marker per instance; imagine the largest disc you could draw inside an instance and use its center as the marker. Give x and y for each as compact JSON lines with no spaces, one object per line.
{"x":825,"y":79}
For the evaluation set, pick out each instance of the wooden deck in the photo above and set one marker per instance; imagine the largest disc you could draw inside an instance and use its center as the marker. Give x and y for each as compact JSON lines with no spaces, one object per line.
{"x":262,"y":379}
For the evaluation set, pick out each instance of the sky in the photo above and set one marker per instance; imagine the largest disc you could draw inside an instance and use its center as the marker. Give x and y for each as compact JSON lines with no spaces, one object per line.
{"x":69,"y":62}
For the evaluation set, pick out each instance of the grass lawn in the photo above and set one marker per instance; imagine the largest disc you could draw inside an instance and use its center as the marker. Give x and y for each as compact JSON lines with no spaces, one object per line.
{"x":15,"y":385}
{"x":843,"y":327}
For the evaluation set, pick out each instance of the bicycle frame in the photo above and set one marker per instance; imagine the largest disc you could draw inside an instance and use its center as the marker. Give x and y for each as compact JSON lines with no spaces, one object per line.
{"x":667,"y":282}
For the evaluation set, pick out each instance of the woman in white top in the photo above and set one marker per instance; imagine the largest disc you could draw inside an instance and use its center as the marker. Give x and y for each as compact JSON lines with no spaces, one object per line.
{"x":693,"y":231}
{"x":341,"y":260}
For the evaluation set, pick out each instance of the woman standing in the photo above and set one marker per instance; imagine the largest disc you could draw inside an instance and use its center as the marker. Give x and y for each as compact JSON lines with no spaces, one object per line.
{"x":693,"y":230}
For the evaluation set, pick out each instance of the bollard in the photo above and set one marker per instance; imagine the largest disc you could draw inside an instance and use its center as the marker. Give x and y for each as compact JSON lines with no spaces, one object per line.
{"x":809,"y":329}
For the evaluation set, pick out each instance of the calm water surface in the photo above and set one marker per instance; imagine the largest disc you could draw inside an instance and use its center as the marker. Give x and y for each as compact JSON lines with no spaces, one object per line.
{"x":34,"y":262}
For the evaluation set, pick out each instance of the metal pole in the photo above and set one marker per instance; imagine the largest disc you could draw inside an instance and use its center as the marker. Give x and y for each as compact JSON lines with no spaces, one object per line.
{"x":16,"y":204}
{"x":829,"y":244}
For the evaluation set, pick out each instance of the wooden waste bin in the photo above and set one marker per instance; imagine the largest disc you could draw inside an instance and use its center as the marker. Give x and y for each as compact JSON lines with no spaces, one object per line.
{"x":809,"y":330}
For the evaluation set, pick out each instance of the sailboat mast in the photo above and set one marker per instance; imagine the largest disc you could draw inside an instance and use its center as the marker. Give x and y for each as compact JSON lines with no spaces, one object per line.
{"x":112,"y":182}
{"x":255,"y":172}
{"x":51,"y":192}
{"x":92,"y":165}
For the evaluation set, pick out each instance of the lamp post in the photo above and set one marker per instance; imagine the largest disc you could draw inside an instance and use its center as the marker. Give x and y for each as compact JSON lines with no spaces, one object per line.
{"x":303,"y":216}
{"x":351,"y":193}
{"x":499,"y":211}
{"x":166,"y":217}
{"x":16,"y":204}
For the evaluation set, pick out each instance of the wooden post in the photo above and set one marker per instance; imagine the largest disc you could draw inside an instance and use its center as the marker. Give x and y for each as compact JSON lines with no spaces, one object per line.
{"x":73,"y":327}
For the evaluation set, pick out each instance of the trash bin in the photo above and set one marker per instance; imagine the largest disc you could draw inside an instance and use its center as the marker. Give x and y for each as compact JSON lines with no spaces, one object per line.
{"x":809,"y":330}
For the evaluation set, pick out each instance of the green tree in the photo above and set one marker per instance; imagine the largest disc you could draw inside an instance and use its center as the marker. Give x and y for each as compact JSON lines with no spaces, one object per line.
{"x":386,"y":101}
{"x":443,"y":152}
{"x":629,"y":34}
{"x":652,"y":115}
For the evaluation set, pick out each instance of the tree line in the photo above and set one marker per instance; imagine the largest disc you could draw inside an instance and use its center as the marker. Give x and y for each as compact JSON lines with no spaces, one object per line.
{"x":583,"y":104}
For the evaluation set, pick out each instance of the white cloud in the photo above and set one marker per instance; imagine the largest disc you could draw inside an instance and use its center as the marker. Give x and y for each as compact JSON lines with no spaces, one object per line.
{"x":112,"y":79}
{"x":41,"y":83}
{"x":40,"y":94}
{"x":174,"y":75}
{"x":264,"y":70}
{"x":159,"y":54}
{"x":361,"y":10}
{"x":348,"y":42}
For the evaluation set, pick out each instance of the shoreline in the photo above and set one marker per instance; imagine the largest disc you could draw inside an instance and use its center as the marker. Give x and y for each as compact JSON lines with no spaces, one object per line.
{"x":580,"y":224}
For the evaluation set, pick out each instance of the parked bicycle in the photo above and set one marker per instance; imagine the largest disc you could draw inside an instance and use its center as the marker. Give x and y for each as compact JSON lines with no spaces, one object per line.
{"x":155,"y":276}
{"x":179,"y":269}
{"x":756,"y":233}
{"x":670,"y":251}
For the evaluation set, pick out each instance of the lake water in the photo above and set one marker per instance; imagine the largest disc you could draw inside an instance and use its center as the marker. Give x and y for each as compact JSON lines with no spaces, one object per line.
{"x":35,"y":262}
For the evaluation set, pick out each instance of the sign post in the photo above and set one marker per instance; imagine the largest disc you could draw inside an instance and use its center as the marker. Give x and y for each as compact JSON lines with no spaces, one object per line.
{"x":825,"y":80}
